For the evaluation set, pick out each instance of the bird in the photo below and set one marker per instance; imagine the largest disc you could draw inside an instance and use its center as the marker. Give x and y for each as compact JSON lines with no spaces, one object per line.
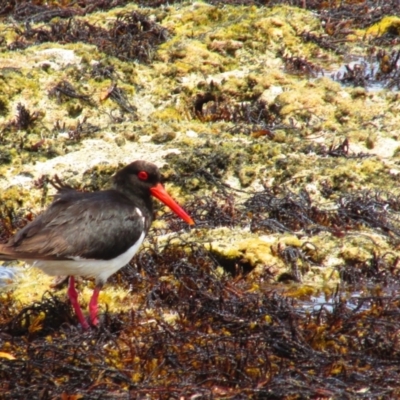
{"x":93,"y":234}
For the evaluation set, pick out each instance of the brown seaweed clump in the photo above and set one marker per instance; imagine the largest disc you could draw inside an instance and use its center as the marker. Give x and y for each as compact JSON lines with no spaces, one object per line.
{"x":194,"y":333}
{"x":287,"y":288}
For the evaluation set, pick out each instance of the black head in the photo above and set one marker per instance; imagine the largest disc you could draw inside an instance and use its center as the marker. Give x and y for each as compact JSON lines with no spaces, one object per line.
{"x":138,"y":177}
{"x":142,"y":180}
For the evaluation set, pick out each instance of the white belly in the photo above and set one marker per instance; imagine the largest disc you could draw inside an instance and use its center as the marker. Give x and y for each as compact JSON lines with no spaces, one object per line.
{"x":101,"y":270}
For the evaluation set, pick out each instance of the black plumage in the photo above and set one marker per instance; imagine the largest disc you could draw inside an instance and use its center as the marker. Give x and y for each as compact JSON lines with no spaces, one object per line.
{"x":92,"y":234}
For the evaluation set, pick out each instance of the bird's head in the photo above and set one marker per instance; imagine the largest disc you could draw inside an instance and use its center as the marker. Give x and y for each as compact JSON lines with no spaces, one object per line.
{"x":143,"y":177}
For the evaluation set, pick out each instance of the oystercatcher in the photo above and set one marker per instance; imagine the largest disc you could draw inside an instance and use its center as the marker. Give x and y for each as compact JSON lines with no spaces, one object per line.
{"x":93,"y":234}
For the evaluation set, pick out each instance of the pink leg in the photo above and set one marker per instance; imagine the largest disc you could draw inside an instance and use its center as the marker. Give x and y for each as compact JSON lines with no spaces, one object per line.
{"x":93,"y":305}
{"x":73,"y":298}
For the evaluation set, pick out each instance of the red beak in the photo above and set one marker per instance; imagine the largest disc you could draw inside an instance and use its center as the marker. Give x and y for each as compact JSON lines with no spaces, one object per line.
{"x":160,"y":193}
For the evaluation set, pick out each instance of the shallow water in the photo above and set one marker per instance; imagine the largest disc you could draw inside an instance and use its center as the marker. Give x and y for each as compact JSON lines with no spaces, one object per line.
{"x":8,"y":275}
{"x":354,"y":298}
{"x":368,"y":68}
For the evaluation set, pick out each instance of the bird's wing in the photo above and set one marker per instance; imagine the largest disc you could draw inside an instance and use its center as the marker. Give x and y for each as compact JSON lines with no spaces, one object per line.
{"x":98,"y":225}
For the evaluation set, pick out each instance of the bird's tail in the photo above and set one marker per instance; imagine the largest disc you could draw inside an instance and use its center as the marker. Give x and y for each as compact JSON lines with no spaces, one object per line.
{"x":6,"y":254}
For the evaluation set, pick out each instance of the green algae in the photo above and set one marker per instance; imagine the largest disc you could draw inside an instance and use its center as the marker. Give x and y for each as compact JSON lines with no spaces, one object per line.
{"x":388,"y":24}
{"x":240,"y":50}
{"x":237,"y":54}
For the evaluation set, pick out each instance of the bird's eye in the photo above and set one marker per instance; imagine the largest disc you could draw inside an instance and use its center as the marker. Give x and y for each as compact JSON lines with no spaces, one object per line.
{"x":143,"y":175}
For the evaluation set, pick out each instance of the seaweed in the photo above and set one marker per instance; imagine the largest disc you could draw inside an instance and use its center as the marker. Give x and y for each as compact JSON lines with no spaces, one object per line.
{"x":64,"y":91}
{"x":132,"y":36}
{"x":225,"y":341}
{"x":289,"y":212}
{"x":27,"y":11}
{"x":24,"y":118}
{"x":119,"y":96}
{"x":299,"y":65}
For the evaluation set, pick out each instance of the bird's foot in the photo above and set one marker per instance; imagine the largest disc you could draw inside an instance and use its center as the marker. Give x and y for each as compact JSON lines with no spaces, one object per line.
{"x":73,"y":298}
{"x":94,"y":307}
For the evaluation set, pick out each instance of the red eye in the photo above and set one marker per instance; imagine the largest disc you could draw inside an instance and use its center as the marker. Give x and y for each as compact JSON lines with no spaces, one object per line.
{"x":143,"y":175}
